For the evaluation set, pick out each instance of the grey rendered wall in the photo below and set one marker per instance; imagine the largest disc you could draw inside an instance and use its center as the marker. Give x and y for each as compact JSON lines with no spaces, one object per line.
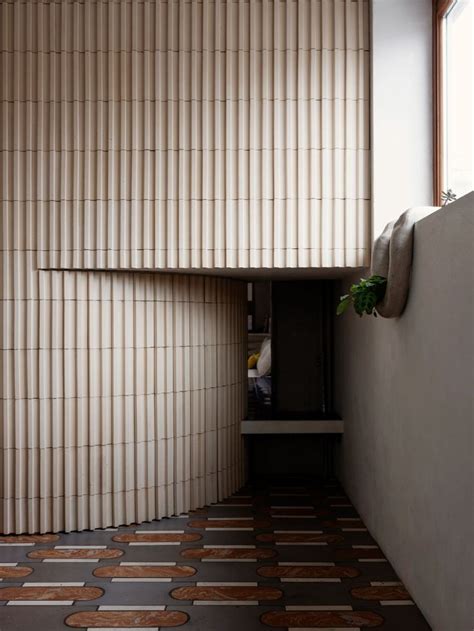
{"x":405,"y":392}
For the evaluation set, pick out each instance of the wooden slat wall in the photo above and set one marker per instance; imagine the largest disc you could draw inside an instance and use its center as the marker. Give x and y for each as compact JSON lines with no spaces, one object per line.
{"x":121,"y":393}
{"x":177,"y":134}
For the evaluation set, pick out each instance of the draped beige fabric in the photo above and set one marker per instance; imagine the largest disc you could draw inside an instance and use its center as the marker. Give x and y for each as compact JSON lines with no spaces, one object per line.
{"x":212,"y":133}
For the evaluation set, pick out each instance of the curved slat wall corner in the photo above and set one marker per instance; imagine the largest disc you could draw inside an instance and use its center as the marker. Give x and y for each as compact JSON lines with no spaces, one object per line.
{"x":122,"y":393}
{"x":189,"y":134}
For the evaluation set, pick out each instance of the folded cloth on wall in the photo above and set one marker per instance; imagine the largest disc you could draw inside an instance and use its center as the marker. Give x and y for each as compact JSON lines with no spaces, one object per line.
{"x":392,"y":256}
{"x":264,"y":364}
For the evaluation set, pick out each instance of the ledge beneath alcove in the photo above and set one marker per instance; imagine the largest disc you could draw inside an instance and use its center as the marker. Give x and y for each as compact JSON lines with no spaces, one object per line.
{"x":326,"y":426}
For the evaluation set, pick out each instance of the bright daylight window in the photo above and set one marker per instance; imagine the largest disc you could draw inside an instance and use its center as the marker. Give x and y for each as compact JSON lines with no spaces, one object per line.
{"x":455,"y":79}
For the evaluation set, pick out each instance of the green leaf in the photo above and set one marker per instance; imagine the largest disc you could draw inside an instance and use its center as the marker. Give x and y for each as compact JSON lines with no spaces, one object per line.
{"x":343,"y":304}
{"x":364,"y":296}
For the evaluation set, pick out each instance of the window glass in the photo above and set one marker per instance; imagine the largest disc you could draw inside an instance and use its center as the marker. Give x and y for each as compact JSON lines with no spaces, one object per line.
{"x":459,"y":98}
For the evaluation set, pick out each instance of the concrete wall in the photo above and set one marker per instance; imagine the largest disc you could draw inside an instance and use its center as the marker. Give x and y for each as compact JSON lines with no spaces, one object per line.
{"x":405,"y":393}
{"x":401,"y":108}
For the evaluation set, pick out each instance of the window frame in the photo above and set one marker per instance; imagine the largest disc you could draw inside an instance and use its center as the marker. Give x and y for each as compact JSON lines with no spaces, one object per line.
{"x":440,"y":9}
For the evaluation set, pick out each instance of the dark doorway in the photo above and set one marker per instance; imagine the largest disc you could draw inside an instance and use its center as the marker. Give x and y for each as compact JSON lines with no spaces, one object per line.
{"x":302,"y":350}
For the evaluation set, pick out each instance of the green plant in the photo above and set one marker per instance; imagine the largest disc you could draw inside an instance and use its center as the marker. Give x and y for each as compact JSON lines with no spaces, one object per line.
{"x":448,"y":196}
{"x":364,"y":296}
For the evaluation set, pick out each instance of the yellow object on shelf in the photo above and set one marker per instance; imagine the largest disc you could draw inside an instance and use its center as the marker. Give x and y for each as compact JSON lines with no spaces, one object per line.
{"x":252,"y":360}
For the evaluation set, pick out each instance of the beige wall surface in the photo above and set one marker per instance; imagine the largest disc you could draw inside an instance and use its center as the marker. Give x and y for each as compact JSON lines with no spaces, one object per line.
{"x":177,"y":134}
{"x":121,"y":393}
{"x":405,"y":393}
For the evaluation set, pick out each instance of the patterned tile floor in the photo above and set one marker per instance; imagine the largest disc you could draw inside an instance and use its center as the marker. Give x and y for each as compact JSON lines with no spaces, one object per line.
{"x":268,"y":558}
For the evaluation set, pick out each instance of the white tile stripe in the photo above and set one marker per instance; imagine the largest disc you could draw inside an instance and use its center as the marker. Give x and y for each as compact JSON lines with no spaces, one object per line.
{"x":132,"y":607}
{"x":230,"y":518}
{"x":34,"y":603}
{"x":8,"y":564}
{"x":226,"y":584}
{"x":301,"y":543}
{"x":124,"y":628}
{"x":299,"y":532}
{"x":294,"y":516}
{"x":149,"y":563}
{"x":69,"y":560}
{"x":233,"y":547}
{"x":80,"y":547}
{"x":16,"y":544}
{"x":144,"y":579}
{"x":226,"y":602}
{"x":354,"y":529}
{"x":232,"y":505}
{"x":307,"y":563}
{"x":318,"y":608}
{"x":229,"y":529}
{"x":54,"y":584}
{"x":159,"y":532}
{"x":320,"y":629}
{"x":154,"y":543}
{"x":229,"y":560}
{"x":290,"y":495}
{"x":310,"y":580}
{"x":306,"y":506}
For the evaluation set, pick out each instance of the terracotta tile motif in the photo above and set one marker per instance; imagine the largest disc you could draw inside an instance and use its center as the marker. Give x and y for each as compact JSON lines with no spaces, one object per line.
{"x":161,"y":571}
{"x":50,"y":593}
{"x":287,"y":537}
{"x":230,"y":523}
{"x":226,"y":592}
{"x":322,"y":619}
{"x":86,"y":553}
{"x":144,"y":571}
{"x":307,"y":571}
{"x":29,"y":538}
{"x":228,"y":553}
{"x":14,"y":572}
{"x":126,"y":619}
{"x":382,"y":592}
{"x":165,"y":537}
